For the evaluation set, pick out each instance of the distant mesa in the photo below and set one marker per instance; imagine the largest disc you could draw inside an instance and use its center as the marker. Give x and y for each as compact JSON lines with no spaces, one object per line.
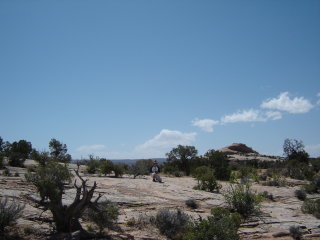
{"x":237,"y":148}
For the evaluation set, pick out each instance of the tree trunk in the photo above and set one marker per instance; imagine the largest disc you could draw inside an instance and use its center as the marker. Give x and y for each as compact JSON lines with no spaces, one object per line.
{"x":65,"y":222}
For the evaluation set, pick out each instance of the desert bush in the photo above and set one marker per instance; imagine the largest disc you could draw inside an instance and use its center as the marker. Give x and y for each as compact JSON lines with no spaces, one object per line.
{"x":315,"y":163}
{"x":206,"y":179}
{"x":234,"y":176}
{"x":49,"y":180}
{"x":313,"y":186}
{"x":298,"y":170}
{"x":191,"y":203}
{"x":240,"y":198}
{"x":106,"y":166}
{"x":131,"y":222}
{"x":222,"y":225}
{"x":141,"y":167}
{"x":310,"y":188}
{"x":277,"y":181}
{"x":220,"y":163}
{"x":172,"y":223}
{"x":145,"y":219}
{"x":118,"y":170}
{"x":263,"y":177}
{"x":7,"y":172}
{"x":9,"y":213}
{"x":93,"y":165}
{"x":311,"y":207}
{"x":106,"y":215}
{"x":267,"y":195}
{"x":300,"y":194}
{"x":295,"y":232}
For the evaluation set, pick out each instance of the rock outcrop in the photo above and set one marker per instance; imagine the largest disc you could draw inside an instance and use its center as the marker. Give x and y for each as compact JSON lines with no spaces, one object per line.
{"x":237,"y":148}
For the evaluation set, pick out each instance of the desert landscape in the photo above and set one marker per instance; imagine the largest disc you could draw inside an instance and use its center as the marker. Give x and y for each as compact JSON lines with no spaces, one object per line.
{"x":139,"y":199}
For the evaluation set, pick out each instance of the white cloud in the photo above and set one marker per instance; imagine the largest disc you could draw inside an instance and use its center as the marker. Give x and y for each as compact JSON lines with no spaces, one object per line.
{"x":163,"y":142}
{"x":243,"y":116}
{"x":313,"y":150}
{"x":205,"y":124}
{"x":318,"y":95}
{"x":284,"y":103}
{"x":273,"y":115}
{"x":251,"y":115}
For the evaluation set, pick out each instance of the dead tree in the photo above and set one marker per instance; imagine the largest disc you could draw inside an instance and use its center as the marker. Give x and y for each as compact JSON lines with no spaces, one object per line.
{"x":65,"y":217}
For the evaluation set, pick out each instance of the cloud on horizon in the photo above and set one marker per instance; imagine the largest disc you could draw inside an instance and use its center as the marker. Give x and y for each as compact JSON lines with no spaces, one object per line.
{"x":205,"y":124}
{"x":163,"y":142}
{"x":284,"y":103}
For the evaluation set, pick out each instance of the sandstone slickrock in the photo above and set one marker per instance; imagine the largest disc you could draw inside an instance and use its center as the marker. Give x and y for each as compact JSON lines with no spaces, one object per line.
{"x":138,"y":198}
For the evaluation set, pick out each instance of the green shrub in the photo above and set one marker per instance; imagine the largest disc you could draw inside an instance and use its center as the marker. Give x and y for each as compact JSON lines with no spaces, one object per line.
{"x":49,"y":180}
{"x":141,"y":167}
{"x":299,"y":170}
{"x":106,"y":216}
{"x":191,"y":203}
{"x":206,"y":179}
{"x":220,"y":163}
{"x":315,"y":164}
{"x":234,"y":176}
{"x":267,"y":195}
{"x":106,"y":166}
{"x":172,"y":223}
{"x":222,"y":225}
{"x":9,"y":213}
{"x":277,"y":181}
{"x":311,"y":207}
{"x":315,"y":185}
{"x":93,"y":165}
{"x":295,"y":232}
{"x":300,"y":194}
{"x":144,"y":220}
{"x":131,"y":222}
{"x":310,"y":188}
{"x":240,"y":198}
{"x":118,"y":170}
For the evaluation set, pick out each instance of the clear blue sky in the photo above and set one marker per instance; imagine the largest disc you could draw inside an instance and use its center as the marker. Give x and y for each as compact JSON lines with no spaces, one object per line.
{"x":133,"y":79}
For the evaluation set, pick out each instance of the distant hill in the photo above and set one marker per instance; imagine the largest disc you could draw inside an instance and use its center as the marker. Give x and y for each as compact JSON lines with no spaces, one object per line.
{"x":237,"y":148}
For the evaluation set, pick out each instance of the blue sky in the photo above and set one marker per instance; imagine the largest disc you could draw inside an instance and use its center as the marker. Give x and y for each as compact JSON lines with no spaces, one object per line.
{"x":133,"y":79}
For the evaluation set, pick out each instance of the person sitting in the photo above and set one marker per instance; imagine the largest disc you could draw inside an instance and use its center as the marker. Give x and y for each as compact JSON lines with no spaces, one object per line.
{"x":155,"y":170}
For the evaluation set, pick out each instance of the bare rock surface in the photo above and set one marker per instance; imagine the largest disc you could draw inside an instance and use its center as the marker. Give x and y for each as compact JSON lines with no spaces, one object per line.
{"x":141,"y":198}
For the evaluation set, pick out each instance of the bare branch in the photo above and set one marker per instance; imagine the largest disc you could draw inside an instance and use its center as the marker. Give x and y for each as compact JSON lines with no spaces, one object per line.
{"x":97,"y":199}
